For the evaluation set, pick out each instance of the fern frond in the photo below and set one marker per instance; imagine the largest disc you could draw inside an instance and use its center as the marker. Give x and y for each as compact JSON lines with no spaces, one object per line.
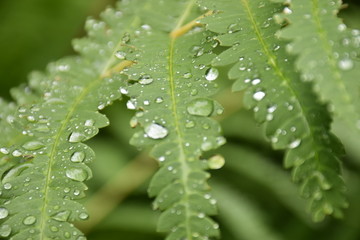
{"x":170,"y":88}
{"x":40,"y":200}
{"x":327,"y":54}
{"x":294,"y":118}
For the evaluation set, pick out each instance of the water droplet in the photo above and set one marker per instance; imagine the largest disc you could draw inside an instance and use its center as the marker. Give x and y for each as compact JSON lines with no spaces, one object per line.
{"x":4,"y":150}
{"x":54,"y":229}
{"x":295,"y":143}
{"x":123,"y":90}
{"x":211,"y":74}
{"x":76,"y":137}
{"x":234,"y":27}
{"x":77,"y":157}
{"x":200,"y":107}
{"x":29,"y":220}
{"x":341,"y":27}
{"x":5,"y":230}
{"x":287,"y":11}
{"x":77,"y":174}
{"x":62,"y":216}
{"x":3,"y":213}
{"x":206,"y":146}
{"x":146,"y":27}
{"x":16,"y":153}
{"x":145,"y":79}
{"x":259,"y":95}
{"x":83,"y":216}
{"x":201,"y":215}
{"x":190,"y":124}
{"x":81,"y":238}
{"x":256,"y":81}
{"x":120,"y":55}
{"x":346,"y":64}
{"x":156,"y":131}
{"x":216,"y":162}
{"x":131,"y":104}
{"x":89,"y":123}
{"x":7,"y":186}
{"x":159,"y":100}
{"x":187,"y":75}
{"x":193,"y":92}
{"x":33,"y":145}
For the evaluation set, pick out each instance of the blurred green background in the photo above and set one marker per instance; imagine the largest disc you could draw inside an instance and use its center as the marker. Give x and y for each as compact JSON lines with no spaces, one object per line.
{"x":256,"y":198}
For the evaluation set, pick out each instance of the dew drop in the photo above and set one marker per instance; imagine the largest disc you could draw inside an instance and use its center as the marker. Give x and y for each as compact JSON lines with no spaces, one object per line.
{"x":5,"y":230}
{"x":206,"y":146}
{"x":62,"y":216}
{"x":346,"y":64}
{"x":187,"y":75}
{"x":256,"y":81}
{"x":159,"y":100}
{"x":33,"y":145}
{"x":123,"y":90}
{"x":3,"y":213}
{"x":83,"y":216}
{"x":259,"y":95}
{"x":131,"y":104}
{"x":216,"y":162}
{"x":89,"y":123}
{"x":4,"y":150}
{"x":54,"y":229}
{"x":76,"y":137}
{"x":211,"y":74}
{"x":120,"y":55}
{"x":193,"y":92}
{"x":156,"y":131}
{"x":145,"y":79}
{"x":295,"y":143}
{"x":16,"y":153}
{"x":77,"y":157}
{"x":200,"y":107}
{"x":29,"y":220}
{"x":287,"y":11}
{"x":77,"y":174}
{"x":7,"y":186}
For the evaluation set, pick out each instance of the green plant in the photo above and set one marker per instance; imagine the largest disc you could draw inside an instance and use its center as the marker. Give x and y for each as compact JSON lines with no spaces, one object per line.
{"x":167,"y":59}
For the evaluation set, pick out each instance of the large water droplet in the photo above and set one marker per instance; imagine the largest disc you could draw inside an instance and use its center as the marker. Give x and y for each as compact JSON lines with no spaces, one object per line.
{"x":77,"y":174}
{"x":200,"y":107}
{"x":77,"y":157}
{"x":259,"y":95}
{"x":131,"y":104}
{"x":5,"y":230}
{"x":216,"y":162}
{"x":29,"y":220}
{"x":346,"y":64}
{"x":295,"y":143}
{"x":145,"y":79}
{"x":76,"y":137}
{"x":4,"y":150}
{"x":33,"y":145}
{"x":3,"y":213}
{"x":211,"y":74}
{"x":62,"y":216}
{"x":156,"y":131}
{"x":120,"y":55}
{"x":7,"y":186}
{"x":83,"y":216}
{"x":187,"y":75}
{"x":16,"y":153}
{"x":89,"y":123}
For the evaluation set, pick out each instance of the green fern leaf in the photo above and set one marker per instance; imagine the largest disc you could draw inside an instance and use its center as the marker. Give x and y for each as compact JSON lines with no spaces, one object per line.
{"x":327,"y":54}
{"x":40,"y":200}
{"x":294,"y":119}
{"x":170,"y":88}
